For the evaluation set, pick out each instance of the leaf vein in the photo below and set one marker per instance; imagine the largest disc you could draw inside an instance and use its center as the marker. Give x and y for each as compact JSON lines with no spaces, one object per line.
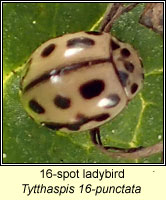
{"x":154,"y":72}
{"x":97,"y":23}
{"x":133,"y":142}
{"x":54,"y":19}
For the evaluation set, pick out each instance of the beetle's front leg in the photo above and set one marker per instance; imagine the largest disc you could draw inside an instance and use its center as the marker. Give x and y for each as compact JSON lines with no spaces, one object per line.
{"x":95,"y":137}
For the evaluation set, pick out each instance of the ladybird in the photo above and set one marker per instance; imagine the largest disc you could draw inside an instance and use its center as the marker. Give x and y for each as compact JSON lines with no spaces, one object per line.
{"x":79,"y":81}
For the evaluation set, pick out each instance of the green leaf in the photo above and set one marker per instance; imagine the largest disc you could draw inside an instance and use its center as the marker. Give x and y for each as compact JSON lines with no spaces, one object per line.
{"x":26,"y":26}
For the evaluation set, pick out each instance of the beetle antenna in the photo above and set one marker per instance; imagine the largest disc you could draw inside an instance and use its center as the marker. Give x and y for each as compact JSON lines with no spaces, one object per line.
{"x":113,"y":12}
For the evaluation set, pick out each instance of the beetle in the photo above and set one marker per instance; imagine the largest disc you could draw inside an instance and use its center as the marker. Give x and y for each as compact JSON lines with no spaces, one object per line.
{"x":79,"y":81}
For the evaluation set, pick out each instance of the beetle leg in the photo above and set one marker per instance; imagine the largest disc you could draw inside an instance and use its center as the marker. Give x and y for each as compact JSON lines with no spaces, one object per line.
{"x":114,"y":11}
{"x":95,"y":137}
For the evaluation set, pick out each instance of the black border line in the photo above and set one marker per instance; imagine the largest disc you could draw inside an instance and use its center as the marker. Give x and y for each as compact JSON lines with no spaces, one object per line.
{"x":80,"y":164}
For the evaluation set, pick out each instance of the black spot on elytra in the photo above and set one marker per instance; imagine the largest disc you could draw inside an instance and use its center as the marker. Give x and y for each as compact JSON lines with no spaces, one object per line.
{"x":134,"y":88}
{"x":129,"y":66}
{"x":92,"y":88}
{"x":93,"y":33}
{"x":36,"y":107}
{"x":80,"y":42}
{"x":123,"y":76}
{"x":52,"y":125}
{"x":57,"y":126}
{"x":74,"y":127}
{"x":114,"y":100}
{"x":102,"y":117}
{"x":114,"y":45}
{"x":62,"y":102}
{"x":125,"y":52}
{"x":48,"y":50}
{"x":77,"y":125}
